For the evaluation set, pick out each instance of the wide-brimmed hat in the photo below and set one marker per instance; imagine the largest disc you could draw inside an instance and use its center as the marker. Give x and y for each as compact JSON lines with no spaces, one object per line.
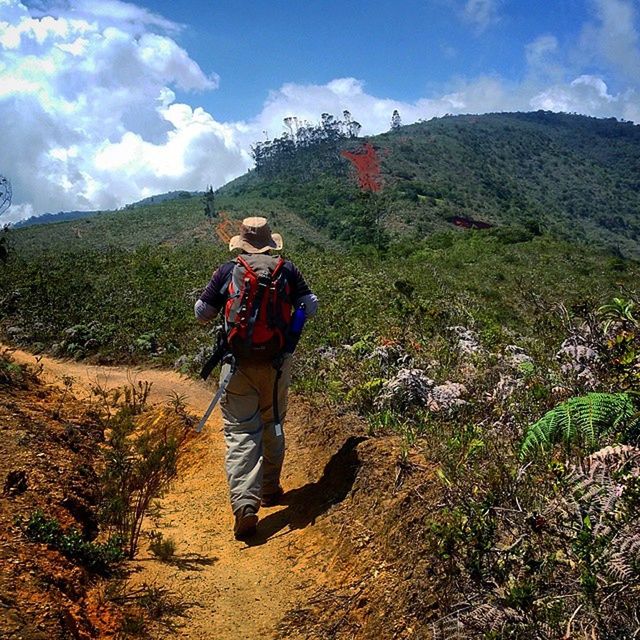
{"x":256,"y":237}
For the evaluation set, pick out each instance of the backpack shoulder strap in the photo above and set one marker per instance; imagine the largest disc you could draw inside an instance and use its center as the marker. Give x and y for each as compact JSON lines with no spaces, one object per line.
{"x":243,"y":262}
{"x":278,"y":267}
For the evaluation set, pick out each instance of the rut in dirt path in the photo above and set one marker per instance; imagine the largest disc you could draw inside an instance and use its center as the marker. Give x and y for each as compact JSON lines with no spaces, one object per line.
{"x":235,"y":590}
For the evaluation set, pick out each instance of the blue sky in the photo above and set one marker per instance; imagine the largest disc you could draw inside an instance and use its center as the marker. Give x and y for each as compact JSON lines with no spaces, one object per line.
{"x":403,"y":50}
{"x":107,"y":101}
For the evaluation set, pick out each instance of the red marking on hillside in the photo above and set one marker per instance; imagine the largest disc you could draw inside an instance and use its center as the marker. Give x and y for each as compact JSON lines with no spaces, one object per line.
{"x":367,"y":167}
{"x":468,"y":223}
{"x":227,"y":228}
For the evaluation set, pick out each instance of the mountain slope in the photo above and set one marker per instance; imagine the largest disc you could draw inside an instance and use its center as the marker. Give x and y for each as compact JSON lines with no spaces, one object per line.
{"x":572,"y":176}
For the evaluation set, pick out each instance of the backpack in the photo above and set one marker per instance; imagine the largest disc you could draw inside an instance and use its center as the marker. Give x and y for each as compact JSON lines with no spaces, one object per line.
{"x":258,"y":308}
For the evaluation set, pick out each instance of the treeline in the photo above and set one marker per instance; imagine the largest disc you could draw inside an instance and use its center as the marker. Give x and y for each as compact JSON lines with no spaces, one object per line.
{"x":272,"y":156}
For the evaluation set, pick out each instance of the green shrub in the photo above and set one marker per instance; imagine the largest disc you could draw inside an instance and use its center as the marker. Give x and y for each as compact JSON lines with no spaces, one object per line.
{"x":11,"y":374}
{"x":97,"y":557}
{"x":162,"y":548}
{"x":141,"y":454}
{"x":363,"y":395}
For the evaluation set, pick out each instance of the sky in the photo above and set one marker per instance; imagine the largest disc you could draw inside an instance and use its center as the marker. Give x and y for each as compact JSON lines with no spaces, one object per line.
{"x":104,"y":102}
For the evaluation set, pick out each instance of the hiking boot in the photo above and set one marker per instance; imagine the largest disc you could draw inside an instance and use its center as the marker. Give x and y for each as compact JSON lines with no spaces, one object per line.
{"x":246,"y":521}
{"x":272,"y":499}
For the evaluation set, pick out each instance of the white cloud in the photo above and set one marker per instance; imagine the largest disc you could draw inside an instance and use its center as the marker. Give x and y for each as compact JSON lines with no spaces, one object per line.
{"x":481,"y":13}
{"x":613,"y":39}
{"x":539,"y":52}
{"x":123,"y":12}
{"x":586,"y":94}
{"x":307,"y":102}
{"x":90,"y":118}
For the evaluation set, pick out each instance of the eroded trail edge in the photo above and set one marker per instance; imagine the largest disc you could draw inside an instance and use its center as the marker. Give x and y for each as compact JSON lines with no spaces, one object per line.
{"x":234,"y":589}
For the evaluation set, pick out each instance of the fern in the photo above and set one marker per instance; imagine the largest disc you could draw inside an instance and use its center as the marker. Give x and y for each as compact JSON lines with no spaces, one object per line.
{"x":604,"y":488}
{"x":624,"y":562}
{"x":615,"y":458}
{"x":580,"y":421}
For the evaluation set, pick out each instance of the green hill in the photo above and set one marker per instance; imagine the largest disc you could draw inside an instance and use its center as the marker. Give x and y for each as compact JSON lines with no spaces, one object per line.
{"x":572,"y":176}
{"x":568,"y":176}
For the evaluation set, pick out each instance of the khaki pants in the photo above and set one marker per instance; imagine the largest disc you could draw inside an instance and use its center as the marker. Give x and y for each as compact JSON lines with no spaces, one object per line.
{"x":255,"y":448}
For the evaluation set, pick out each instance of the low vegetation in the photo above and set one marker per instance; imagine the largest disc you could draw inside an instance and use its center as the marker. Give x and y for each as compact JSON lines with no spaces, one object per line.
{"x":141,"y":453}
{"x":98,"y":557}
{"x":584,"y":422}
{"x":84,"y":504}
{"x":508,"y":357}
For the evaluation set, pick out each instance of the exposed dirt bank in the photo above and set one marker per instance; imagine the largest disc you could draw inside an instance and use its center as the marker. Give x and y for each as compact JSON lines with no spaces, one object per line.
{"x":236,"y":590}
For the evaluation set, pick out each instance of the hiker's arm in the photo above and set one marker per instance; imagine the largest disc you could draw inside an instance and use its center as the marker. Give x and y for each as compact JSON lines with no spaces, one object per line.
{"x":213,"y":297}
{"x":302,"y":294}
{"x":204,"y":312}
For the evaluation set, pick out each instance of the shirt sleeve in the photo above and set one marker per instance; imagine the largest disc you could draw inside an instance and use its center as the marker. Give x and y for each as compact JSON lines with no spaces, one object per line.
{"x":204,"y":312}
{"x":300,"y":291}
{"x":214,"y":296}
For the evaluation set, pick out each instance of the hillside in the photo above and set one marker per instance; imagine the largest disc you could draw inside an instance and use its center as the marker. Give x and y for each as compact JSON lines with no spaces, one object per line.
{"x":50,"y":218}
{"x":471,"y":378}
{"x":572,"y":176}
{"x":67,"y":216}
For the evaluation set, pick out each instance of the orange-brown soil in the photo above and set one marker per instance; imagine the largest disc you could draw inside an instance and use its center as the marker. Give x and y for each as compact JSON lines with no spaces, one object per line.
{"x":331,"y":562}
{"x":47,"y":442}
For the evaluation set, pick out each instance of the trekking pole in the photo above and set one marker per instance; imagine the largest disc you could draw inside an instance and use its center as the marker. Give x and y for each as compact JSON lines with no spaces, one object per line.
{"x":221,"y":389}
{"x":277,"y":423}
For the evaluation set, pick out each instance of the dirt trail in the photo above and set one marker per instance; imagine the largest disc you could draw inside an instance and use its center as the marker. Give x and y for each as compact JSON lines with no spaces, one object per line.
{"x":237,"y":591}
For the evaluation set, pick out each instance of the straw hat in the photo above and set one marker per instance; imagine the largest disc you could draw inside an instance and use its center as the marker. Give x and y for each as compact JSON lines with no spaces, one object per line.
{"x":256,"y":237}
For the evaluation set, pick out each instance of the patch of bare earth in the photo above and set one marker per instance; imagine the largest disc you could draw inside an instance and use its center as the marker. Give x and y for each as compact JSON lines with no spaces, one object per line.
{"x":48,"y":443}
{"x":340,"y":558}
{"x":375,"y":580}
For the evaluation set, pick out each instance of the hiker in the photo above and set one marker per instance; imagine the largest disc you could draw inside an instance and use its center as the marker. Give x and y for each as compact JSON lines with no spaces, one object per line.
{"x":253,"y":434}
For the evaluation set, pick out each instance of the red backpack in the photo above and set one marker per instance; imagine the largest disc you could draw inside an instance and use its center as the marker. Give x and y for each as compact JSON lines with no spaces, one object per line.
{"x":258,"y":308}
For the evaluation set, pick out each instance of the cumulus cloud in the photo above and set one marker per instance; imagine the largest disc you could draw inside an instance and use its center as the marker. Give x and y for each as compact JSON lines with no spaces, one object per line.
{"x":307,"y":102}
{"x":90,"y":119}
{"x":585,"y":94}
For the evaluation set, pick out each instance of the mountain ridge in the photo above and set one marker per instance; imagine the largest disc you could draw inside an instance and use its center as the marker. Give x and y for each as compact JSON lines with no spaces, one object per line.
{"x":573,"y":176}
{"x":524,"y":174}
